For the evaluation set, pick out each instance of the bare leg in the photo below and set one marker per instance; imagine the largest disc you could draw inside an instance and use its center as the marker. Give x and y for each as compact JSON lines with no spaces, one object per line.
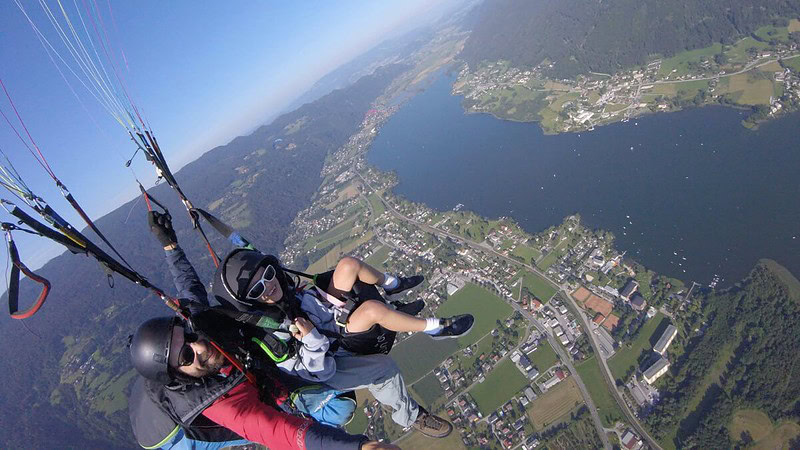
{"x":372,"y":311}
{"x":349,"y":270}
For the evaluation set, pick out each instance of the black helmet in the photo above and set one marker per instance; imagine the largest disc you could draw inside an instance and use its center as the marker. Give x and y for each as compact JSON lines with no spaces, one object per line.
{"x":235,"y":274}
{"x":150,"y":348}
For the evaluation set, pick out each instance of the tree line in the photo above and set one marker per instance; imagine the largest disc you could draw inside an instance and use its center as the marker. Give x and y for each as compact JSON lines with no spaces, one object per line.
{"x":578,"y":36}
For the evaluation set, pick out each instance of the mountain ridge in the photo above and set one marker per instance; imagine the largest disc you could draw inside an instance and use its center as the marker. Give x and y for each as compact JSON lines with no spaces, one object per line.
{"x":73,"y":370}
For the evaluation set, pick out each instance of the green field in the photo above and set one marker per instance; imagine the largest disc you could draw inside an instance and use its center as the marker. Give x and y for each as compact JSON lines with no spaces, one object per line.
{"x":113,"y":397}
{"x":752,"y":421}
{"x":538,"y":286}
{"x":483,"y":346}
{"x":627,"y":357}
{"x":680,"y":62}
{"x":343,"y":246}
{"x":738,"y":53}
{"x":359,"y":422}
{"x":793,"y":63}
{"x":543,"y":357}
{"x":592,"y":377}
{"x":485,"y":306}
{"x":766,"y":33}
{"x":554,"y":255}
{"x":377,"y":205}
{"x":764,"y":434}
{"x":377,"y":258}
{"x":419,"y":354}
{"x":334,"y":232}
{"x":690,"y":88}
{"x":500,"y":385}
{"x":418,"y":440}
{"x":429,"y":390}
{"x":755,"y":87}
{"x":554,"y":405}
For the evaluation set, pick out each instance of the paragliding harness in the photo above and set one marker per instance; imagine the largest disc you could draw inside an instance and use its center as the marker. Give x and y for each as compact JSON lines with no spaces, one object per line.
{"x":373,"y":341}
{"x":70,"y":238}
{"x":241,"y":337}
{"x":13,"y":287}
{"x":258,"y":331}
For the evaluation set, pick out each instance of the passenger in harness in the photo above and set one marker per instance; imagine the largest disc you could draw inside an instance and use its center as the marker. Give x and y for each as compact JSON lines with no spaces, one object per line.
{"x":343,"y":303}
{"x":304,"y":330}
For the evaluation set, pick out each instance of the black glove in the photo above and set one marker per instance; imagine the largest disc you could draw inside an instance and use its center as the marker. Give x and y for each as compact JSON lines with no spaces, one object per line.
{"x":161,"y":227}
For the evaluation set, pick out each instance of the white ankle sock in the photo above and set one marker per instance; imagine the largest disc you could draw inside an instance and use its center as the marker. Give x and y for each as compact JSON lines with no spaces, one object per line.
{"x":390,"y":281}
{"x":432,"y":325}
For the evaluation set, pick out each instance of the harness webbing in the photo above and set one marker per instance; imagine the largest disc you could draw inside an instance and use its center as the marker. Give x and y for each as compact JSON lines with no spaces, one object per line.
{"x":13,"y":287}
{"x":74,"y":241}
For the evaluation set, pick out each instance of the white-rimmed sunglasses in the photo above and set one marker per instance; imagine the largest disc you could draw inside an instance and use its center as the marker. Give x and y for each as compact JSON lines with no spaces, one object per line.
{"x":258,"y":289}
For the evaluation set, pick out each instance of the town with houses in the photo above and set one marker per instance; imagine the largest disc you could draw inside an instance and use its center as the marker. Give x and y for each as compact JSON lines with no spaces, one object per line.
{"x":760,"y":72}
{"x":574,"y":304}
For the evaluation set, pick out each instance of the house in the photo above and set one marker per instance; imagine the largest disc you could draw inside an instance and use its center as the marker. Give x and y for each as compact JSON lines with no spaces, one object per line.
{"x":530,"y":394}
{"x":665,"y":339}
{"x":550,"y":383}
{"x":655,"y":371}
{"x":598,"y":319}
{"x":630,"y":441}
{"x":630,"y":287}
{"x":637,"y":302}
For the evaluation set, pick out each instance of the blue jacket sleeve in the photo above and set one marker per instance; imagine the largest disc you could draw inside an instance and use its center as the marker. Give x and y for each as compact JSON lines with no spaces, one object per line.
{"x":186,"y":280}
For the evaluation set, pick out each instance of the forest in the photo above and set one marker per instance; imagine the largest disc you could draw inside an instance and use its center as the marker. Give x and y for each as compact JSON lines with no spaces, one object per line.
{"x":759,"y":321}
{"x":578,"y":36}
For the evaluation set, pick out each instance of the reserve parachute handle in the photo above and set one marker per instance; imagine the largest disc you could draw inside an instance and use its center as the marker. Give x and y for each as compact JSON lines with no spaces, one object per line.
{"x":19,"y":266}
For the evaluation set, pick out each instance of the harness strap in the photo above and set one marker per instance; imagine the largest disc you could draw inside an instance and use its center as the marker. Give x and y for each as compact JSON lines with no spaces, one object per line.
{"x":302,"y":274}
{"x":13,"y":288}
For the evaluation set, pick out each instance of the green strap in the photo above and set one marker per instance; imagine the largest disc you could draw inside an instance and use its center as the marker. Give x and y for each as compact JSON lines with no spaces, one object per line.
{"x":166,"y":439}
{"x":268,"y":351}
{"x":267,"y":322}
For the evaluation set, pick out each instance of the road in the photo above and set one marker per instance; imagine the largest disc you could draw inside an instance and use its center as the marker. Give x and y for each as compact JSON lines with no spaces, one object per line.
{"x":746,"y":68}
{"x":565,"y":358}
{"x":612,"y":386}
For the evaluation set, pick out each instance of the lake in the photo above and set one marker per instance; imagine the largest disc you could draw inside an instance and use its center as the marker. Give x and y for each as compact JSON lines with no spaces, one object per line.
{"x":689,"y":194}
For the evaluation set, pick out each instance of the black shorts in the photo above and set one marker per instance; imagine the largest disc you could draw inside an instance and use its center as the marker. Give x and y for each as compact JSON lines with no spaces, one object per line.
{"x":323,"y":280}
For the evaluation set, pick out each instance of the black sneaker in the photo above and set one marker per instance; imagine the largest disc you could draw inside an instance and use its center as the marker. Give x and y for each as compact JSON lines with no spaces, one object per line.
{"x":453,"y":327}
{"x":432,"y":426}
{"x":412,"y":309}
{"x":404,"y":284}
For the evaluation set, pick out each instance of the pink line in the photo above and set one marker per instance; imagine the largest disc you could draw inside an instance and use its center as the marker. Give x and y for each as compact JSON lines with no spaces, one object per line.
{"x":43,"y":161}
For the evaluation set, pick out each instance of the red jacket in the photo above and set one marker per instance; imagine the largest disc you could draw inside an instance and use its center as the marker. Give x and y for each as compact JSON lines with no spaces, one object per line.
{"x":241,"y":411}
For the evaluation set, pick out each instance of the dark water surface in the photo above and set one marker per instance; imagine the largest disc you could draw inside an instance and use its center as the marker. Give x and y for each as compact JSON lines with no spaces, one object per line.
{"x":694,"y":184}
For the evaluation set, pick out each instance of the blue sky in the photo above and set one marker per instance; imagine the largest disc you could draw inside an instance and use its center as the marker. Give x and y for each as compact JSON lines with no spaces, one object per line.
{"x":201,"y":72}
